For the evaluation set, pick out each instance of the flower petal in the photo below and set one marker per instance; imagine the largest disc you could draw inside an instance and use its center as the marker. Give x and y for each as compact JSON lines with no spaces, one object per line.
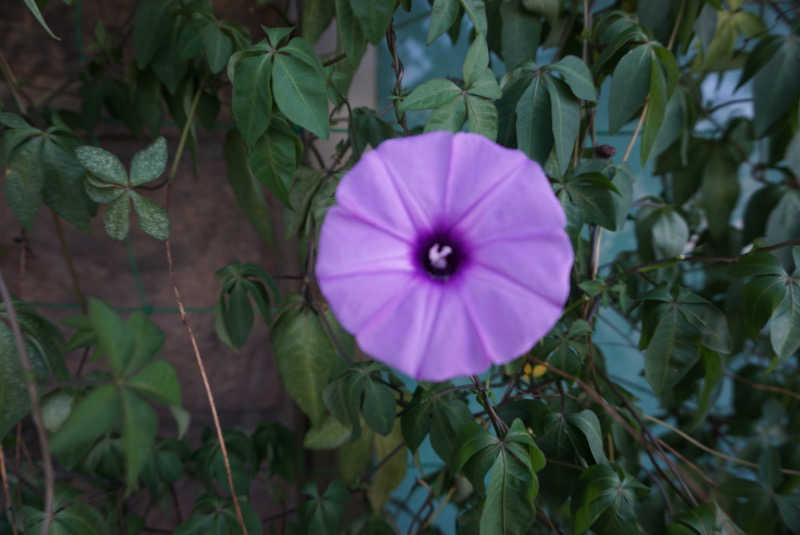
{"x":541,"y":262}
{"x":398,"y":334}
{"x":508,"y":316}
{"x":454,"y":345}
{"x":368,"y":190}
{"x":355,"y":299}
{"x":419,"y":165}
{"x":521,"y":203}
{"x":351,"y":245}
{"x":478,"y":166}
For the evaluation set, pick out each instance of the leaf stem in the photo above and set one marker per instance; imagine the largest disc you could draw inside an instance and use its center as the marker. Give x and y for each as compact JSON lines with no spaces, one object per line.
{"x":500,"y":426}
{"x":36,"y":409}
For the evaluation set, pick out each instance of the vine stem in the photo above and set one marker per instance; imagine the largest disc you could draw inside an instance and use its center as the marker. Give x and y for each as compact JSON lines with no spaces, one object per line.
{"x":182,"y":312}
{"x":712,"y":451}
{"x":7,"y":494}
{"x":500,"y":426}
{"x":635,"y":133}
{"x":36,"y":409}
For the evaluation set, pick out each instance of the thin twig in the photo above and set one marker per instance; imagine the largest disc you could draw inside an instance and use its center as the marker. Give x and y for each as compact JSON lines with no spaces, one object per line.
{"x":712,"y":451}
{"x":766,"y":388}
{"x":36,"y":409}
{"x":185,"y":320}
{"x":675,"y":28}
{"x":635,"y":133}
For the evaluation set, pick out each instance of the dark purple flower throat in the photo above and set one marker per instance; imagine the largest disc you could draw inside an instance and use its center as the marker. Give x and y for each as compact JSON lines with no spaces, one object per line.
{"x":440,"y":254}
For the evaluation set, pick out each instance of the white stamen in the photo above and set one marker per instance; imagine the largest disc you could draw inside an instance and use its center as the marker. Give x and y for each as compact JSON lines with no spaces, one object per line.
{"x":437,"y":255}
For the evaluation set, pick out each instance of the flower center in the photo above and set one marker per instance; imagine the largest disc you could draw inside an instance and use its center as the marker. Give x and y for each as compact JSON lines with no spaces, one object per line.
{"x":440,"y":255}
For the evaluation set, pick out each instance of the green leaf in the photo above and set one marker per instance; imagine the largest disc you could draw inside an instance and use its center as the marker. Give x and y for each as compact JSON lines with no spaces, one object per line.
{"x":485,"y":85}
{"x":783,"y":224}
{"x":56,"y":408}
{"x":476,"y":11}
{"x":720,"y":190}
{"x":218,"y":47}
{"x":656,"y":107}
{"x":392,"y":472}
{"x":789,"y":509}
{"x":299,"y":90}
{"x":63,"y":189}
{"x":24,"y":194}
{"x":252,"y":97}
{"x":784,"y":332}
{"x":317,"y":16}
{"x":605,"y":488}
{"x":149,"y":164}
{"x":450,"y":116}
{"x":114,"y":338}
{"x":521,"y":34}
{"x":565,"y":116}
{"x":323,"y":514}
{"x":777,"y":86}
{"x":247,"y":190}
{"x":306,"y":359}
{"x":34,"y":9}
{"x":139,"y":427}
{"x":431,"y":94}
{"x":159,"y":381}
{"x":577,"y":76}
{"x":147,"y":340}
{"x":667,"y":357}
{"x":444,"y":14}
{"x":14,"y":397}
{"x":534,"y":121}
{"x":509,"y":496}
{"x":102,"y":164}
{"x":238,"y":315}
{"x":151,"y":29}
{"x":589,"y":425}
{"x":630,"y":85}
{"x":96,"y":414}
{"x":350,"y":33}
{"x":374,"y":17}
{"x":712,"y":377}
{"x":476,"y":61}
{"x":152,"y":218}
{"x":117,"y":217}
{"x":758,"y":58}
{"x":481,"y":116}
{"x":379,"y":407}
{"x":594,"y":195}
{"x":327,"y":435}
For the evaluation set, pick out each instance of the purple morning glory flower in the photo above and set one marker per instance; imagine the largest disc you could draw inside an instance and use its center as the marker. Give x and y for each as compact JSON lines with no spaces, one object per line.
{"x":444,"y":254}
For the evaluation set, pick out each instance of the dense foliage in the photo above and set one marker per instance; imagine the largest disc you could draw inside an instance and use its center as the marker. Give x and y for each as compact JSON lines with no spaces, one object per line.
{"x":552,"y":443}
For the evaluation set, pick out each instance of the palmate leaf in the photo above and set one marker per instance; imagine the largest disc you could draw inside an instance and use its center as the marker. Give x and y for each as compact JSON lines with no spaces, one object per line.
{"x":323,"y":513}
{"x":374,"y":17}
{"x":605,"y":488}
